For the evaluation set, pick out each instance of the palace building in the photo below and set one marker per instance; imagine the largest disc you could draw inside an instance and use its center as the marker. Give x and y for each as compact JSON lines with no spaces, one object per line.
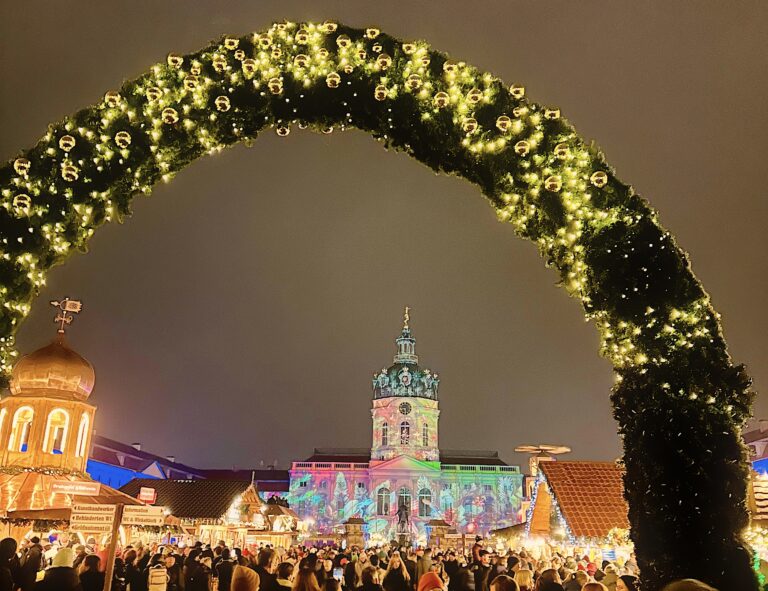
{"x":405,"y":484}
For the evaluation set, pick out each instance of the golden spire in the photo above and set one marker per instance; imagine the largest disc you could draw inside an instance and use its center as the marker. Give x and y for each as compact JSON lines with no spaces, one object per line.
{"x":66,"y":308}
{"x":406,"y":318}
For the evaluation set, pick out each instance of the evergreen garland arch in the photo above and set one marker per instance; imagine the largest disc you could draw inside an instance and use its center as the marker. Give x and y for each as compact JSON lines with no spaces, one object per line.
{"x":679,"y":400}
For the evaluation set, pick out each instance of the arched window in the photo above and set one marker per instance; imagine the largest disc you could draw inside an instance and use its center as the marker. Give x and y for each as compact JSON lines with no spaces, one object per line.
{"x":425,"y":503}
{"x":404,"y":498}
{"x":385,"y":434}
{"x":425,"y":435}
{"x":382,"y":501}
{"x":405,"y":433}
{"x":21,"y":428}
{"x":82,"y":435}
{"x":56,"y":431}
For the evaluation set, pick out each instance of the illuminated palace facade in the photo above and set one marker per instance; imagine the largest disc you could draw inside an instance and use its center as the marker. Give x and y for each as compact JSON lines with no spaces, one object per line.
{"x":473,"y":491}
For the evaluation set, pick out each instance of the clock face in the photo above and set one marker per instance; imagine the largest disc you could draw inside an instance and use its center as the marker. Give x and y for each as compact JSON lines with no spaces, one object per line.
{"x":405,"y":408}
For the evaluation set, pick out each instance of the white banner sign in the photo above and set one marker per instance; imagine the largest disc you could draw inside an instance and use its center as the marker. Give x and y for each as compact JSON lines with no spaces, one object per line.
{"x":142,"y":515}
{"x":68,"y":487}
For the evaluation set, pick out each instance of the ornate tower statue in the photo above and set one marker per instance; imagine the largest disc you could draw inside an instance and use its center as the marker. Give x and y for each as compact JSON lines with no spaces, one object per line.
{"x":47,"y":420}
{"x":405,"y":410}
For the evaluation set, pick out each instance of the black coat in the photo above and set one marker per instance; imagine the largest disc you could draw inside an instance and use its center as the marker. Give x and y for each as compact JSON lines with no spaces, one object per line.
{"x":59,"y":578}
{"x":92,"y":580}
{"x":6,"y":580}
{"x":31,"y":562}
{"x":395,"y":581}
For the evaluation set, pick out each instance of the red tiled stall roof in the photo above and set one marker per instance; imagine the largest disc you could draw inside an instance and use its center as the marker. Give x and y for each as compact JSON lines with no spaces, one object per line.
{"x":590,"y":496}
{"x":191,"y":499}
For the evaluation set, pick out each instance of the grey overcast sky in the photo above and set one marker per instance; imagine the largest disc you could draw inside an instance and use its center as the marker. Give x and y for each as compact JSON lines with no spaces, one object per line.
{"x":239,"y":314}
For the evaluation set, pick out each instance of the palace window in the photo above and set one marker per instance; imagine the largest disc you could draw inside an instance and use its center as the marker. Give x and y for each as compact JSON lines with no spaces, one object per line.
{"x":425,"y":435}
{"x":56,"y":432}
{"x":382,"y":501}
{"x":361,"y":485}
{"x":425,"y":503}
{"x":405,"y":433}
{"x":323,"y":484}
{"x":21,"y":428}
{"x":385,"y":434}
{"x":82,"y":436}
{"x":404,"y":498}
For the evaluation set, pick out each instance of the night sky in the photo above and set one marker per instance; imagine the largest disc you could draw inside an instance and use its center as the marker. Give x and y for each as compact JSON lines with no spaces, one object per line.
{"x":238,"y":316}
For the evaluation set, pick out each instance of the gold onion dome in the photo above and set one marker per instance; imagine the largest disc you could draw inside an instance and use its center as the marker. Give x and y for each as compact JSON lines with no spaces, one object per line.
{"x":53,"y":370}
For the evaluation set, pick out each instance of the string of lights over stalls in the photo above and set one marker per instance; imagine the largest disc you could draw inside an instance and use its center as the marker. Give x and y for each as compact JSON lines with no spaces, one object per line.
{"x":679,"y":400}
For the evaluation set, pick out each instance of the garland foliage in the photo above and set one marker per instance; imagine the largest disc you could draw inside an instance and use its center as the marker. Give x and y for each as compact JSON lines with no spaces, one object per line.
{"x":679,"y":400}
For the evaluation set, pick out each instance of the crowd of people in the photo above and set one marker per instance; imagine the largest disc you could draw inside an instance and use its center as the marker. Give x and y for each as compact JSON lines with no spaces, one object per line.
{"x":392,"y":568}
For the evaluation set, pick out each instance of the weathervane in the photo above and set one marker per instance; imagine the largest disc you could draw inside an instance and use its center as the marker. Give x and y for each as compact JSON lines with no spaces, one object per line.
{"x":406,"y":318}
{"x":66,"y":308}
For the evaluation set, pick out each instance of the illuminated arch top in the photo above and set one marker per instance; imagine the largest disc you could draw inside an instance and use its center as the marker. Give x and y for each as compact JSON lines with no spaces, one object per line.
{"x":679,"y":400}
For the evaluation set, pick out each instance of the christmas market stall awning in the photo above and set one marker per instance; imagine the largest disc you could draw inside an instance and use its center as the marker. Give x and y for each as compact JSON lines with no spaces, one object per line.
{"x":29,"y":494}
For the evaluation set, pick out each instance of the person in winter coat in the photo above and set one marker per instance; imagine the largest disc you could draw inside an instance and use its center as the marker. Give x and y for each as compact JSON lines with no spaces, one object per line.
{"x":175,"y":576}
{"x":91,"y":578}
{"x":224,"y":569}
{"x":244,"y":579}
{"x":157,"y":574}
{"x":60,"y":576}
{"x":431,"y":582}
{"x":370,"y":579}
{"x":7,"y":553}
{"x":284,"y":574}
{"x":31,"y":563}
{"x":396,"y":577}
{"x":610,"y":578}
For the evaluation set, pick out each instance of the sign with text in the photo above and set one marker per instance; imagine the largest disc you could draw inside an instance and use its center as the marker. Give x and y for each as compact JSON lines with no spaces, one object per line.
{"x":68,"y":487}
{"x":141,"y":515}
{"x":92,"y":518}
{"x":147,"y":495}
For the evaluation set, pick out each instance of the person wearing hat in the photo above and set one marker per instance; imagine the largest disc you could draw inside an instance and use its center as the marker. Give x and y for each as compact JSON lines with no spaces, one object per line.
{"x":482,"y":570}
{"x":431,"y":582}
{"x":60,"y":576}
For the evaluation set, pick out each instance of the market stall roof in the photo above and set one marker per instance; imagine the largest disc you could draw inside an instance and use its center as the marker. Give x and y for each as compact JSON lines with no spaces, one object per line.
{"x":590,"y":496}
{"x":191,"y":499}
{"x":28,"y":494}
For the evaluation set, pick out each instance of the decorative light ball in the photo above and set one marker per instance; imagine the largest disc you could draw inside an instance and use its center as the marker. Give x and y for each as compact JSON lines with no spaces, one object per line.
{"x":441,"y":99}
{"x":327,"y":130}
{"x":517,"y":91}
{"x":553,"y":183}
{"x":153,"y":93}
{"x":333,"y":80}
{"x":322,"y":53}
{"x":22,"y":166}
{"x":249,"y":66}
{"x":424,"y":60}
{"x":277,"y":52}
{"x":69,"y":173}
{"x":175,"y":60}
{"x":281,"y":26}
{"x":409,"y":48}
{"x":169,"y":116}
{"x":123,"y":139}
{"x":470,"y":125}
{"x":302,"y":36}
{"x":343,"y":41}
{"x":222,"y":103}
{"x":348,"y":68}
{"x":383,"y":61}
{"x":282,"y":130}
{"x":302,"y":125}
{"x":599,"y":179}
{"x":562,"y":151}
{"x":22,"y":203}
{"x":380,"y":93}
{"x":474,"y":95}
{"x":191,"y":82}
{"x":377,"y":47}
{"x":372,"y":32}
{"x":239,"y":55}
{"x":522,"y":148}
{"x":231,"y":43}
{"x":275,"y":85}
{"x":504,"y":123}
{"x":362,"y":54}
{"x":413,"y":82}
{"x":328,"y":27}
{"x":219,"y":62}
{"x":449,"y":66}
{"x":66,"y":142}
{"x":264,"y":40}
{"x":552,"y":113}
{"x":112,"y":98}
{"x":519,"y":111}
{"x":301,"y":60}
{"x":195,"y":69}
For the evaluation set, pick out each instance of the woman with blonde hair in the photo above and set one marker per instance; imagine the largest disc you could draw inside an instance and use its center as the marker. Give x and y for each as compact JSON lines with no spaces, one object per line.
{"x":594,"y":586}
{"x":396,"y":578}
{"x":524,"y":579}
{"x":244,"y":579}
{"x":306,"y":581}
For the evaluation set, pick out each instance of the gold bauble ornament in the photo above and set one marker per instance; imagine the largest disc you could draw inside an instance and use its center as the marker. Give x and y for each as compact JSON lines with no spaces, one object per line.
{"x":219,"y":62}
{"x":282,"y":26}
{"x":599,"y":179}
{"x":409,"y":48}
{"x":372,"y":32}
{"x":413,"y":82}
{"x":66,"y":143}
{"x":562,"y":151}
{"x":301,"y":60}
{"x":174,"y":60}
{"x":22,"y":166}
{"x":282,"y":130}
{"x":169,"y":116}
{"x":302,"y":125}
{"x":380,"y":93}
{"x":553,"y":183}
{"x":348,"y":68}
{"x":239,"y":55}
{"x":277,"y":52}
{"x":552,"y":113}
{"x":519,"y":111}
{"x":69,"y":173}
{"x":333,"y":80}
{"x":517,"y":91}
{"x":249,"y":66}
{"x":470,"y":125}
{"x":22,"y":203}
{"x":450,"y":66}
{"x":322,"y":53}
{"x":361,"y":54}
{"x":231,"y":43}
{"x":377,"y":47}
{"x":383,"y":61}
{"x":195,"y":69}
{"x":441,"y":99}
{"x":424,"y":60}
{"x":222,"y":103}
{"x":264,"y":40}
{"x":191,"y":82}
{"x":504,"y":123}
{"x":327,"y":130}
{"x":302,"y":36}
{"x":153,"y":93}
{"x":328,"y":27}
{"x":343,"y":41}
{"x":474,"y":95}
{"x":522,"y":148}
{"x":275,"y":85}
{"x":112,"y":99}
{"x":123,"y":139}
